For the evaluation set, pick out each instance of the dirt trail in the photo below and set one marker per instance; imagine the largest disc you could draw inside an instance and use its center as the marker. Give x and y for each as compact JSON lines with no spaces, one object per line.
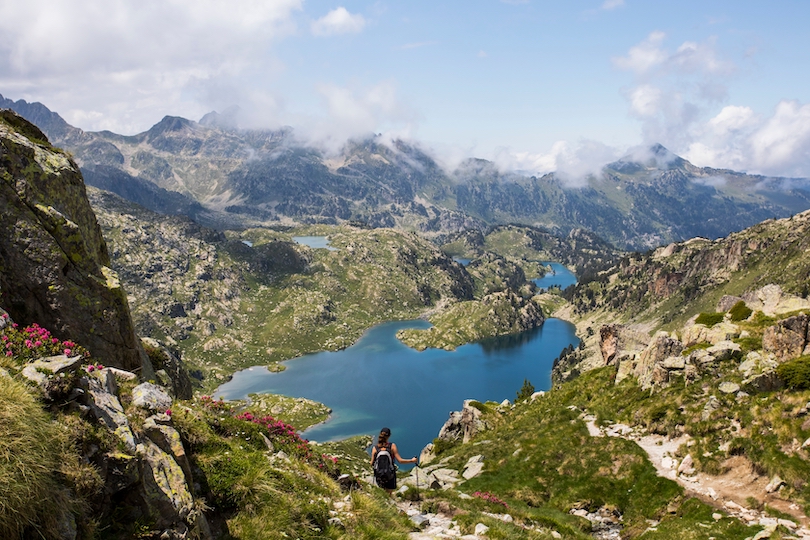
{"x":729,"y":492}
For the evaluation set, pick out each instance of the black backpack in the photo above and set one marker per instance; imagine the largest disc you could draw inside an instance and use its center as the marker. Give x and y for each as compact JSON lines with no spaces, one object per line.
{"x":384,"y":467}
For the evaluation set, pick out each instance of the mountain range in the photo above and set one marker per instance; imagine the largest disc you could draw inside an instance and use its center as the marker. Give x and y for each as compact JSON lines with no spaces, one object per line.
{"x":225,"y":177}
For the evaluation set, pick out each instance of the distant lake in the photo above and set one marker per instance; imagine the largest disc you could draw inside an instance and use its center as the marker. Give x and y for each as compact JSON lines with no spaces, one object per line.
{"x":561,"y":276}
{"x":462,"y":261}
{"x":380,"y":382}
{"x":315,"y":242}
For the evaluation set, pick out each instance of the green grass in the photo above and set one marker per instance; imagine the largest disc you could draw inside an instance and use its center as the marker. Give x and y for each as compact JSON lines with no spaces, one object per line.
{"x":32,"y":500}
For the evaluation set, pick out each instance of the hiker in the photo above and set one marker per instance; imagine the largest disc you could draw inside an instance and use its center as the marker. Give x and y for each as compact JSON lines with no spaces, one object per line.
{"x":382,"y":461}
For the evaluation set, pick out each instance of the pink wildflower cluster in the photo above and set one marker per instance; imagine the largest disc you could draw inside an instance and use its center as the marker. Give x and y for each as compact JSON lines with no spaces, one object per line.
{"x":489,"y":497}
{"x":94,"y":367}
{"x":34,"y":342}
{"x":213,"y":404}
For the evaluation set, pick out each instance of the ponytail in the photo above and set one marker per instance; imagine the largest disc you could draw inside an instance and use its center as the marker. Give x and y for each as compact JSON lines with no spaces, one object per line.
{"x":383,"y":437}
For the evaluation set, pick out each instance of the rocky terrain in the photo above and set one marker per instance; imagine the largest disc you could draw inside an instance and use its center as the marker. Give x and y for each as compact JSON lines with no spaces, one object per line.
{"x":55,"y":267}
{"x":225,"y":177}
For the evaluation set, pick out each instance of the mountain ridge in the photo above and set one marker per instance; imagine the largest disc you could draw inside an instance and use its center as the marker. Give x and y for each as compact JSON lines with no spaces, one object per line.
{"x":267,"y":178}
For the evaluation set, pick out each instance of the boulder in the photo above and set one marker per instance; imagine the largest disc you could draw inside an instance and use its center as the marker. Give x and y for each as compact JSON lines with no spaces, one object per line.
{"x":649,"y":369}
{"x":151,"y":397}
{"x":616,"y":340}
{"x":463,"y":425}
{"x":107,"y":409}
{"x":788,"y":338}
{"x":724,"y":350}
{"x":728,"y":387}
{"x":473,"y":467}
{"x":698,"y":333}
{"x":727,"y":302}
{"x":767,"y":381}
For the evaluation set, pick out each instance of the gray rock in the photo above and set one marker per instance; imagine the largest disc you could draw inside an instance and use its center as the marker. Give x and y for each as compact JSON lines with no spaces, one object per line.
{"x":151,"y":397}
{"x":473,"y":467}
{"x":164,"y":487}
{"x":728,"y":387}
{"x":774,"y":485}
{"x":725,"y":350}
{"x":168,"y":439}
{"x":674,"y":362}
{"x":106,"y":408}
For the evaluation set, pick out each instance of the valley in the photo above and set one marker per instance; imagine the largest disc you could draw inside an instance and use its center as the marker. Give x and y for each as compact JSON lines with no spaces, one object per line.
{"x":701,"y":341}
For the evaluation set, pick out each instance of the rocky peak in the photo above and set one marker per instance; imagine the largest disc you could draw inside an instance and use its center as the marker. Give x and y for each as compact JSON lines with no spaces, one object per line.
{"x":55,"y":266}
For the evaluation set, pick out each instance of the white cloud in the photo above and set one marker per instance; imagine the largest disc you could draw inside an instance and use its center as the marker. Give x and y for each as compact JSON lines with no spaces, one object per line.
{"x":123,"y":64}
{"x":573,"y":164}
{"x":357,"y":112}
{"x":738,"y":138}
{"x":612,"y":4}
{"x":645,"y":100}
{"x":644,"y":56}
{"x":338,"y":21}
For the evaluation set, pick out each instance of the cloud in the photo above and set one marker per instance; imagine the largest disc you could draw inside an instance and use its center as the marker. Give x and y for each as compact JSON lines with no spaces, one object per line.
{"x":338,"y":21}
{"x":740,"y":139}
{"x":573,"y":164}
{"x":612,"y":4}
{"x":357,"y":112}
{"x":123,"y":64}
{"x":673,"y":91}
{"x":644,"y":56}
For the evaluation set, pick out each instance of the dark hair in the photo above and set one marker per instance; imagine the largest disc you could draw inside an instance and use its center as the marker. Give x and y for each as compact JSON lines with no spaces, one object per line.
{"x":384,"y":434}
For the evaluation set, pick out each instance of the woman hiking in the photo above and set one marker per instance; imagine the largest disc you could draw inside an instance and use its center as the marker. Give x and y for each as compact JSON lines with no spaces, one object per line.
{"x":383,"y":456}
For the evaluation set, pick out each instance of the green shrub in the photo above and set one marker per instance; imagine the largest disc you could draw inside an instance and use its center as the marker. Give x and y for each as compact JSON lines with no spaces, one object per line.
{"x":709,"y":319}
{"x":740,"y":312}
{"x":525,"y":391}
{"x":795,"y":373}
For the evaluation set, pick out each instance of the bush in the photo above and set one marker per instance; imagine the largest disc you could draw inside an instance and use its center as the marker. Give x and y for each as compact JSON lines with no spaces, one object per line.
{"x":795,"y":373}
{"x":740,"y":312}
{"x":32,"y":503}
{"x":709,"y":319}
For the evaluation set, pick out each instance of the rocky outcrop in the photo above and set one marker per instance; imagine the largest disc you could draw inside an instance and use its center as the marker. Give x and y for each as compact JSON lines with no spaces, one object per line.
{"x":54,"y":266}
{"x":618,"y":342}
{"x":788,"y":338}
{"x":463,"y":425}
{"x":149,"y":475}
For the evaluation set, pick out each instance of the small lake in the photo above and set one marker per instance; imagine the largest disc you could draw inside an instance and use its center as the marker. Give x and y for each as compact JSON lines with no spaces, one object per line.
{"x":315,"y":242}
{"x":380,"y":382}
{"x":560,"y":276}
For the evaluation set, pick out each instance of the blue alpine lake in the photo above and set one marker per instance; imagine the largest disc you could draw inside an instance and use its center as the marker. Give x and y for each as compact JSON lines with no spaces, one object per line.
{"x":315,"y":242}
{"x":560,"y":276}
{"x":379,"y":382}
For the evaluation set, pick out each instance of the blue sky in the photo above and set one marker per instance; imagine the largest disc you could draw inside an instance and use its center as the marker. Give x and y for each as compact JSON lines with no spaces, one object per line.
{"x":533,"y":85}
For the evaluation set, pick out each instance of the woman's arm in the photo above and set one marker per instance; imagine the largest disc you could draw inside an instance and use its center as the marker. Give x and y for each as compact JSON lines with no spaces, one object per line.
{"x":398,"y":457}
{"x":373,"y":453}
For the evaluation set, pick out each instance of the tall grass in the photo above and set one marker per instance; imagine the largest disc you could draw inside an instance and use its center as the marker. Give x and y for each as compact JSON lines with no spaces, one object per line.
{"x":32,"y":503}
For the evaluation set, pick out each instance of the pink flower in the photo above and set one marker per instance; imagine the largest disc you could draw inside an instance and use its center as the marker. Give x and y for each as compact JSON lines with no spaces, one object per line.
{"x":8,"y":353}
{"x":90,"y":368}
{"x":99,"y":367}
{"x":168,"y":412}
{"x":67,"y":353}
{"x":54,"y":341}
{"x":37,"y":343}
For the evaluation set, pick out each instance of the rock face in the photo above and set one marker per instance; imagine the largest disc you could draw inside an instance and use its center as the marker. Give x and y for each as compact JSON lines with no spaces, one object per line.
{"x":463,"y":425}
{"x":54,"y":267}
{"x":788,"y":338}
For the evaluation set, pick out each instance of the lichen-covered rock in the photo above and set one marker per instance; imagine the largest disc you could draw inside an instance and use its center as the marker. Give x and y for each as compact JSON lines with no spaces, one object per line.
{"x":107,"y":409}
{"x":661,"y":348}
{"x":698,"y":333}
{"x":55,"y":267}
{"x":788,"y":338}
{"x":165,"y":491}
{"x":160,"y":432}
{"x":151,"y":397}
